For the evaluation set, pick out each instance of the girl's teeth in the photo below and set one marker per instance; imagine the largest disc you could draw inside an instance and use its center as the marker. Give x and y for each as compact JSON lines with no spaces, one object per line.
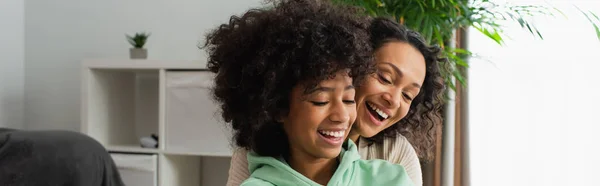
{"x":337,"y":134}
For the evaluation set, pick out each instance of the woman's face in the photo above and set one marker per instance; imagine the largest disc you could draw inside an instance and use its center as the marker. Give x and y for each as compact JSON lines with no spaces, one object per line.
{"x":319,"y":120}
{"x":386,"y":96}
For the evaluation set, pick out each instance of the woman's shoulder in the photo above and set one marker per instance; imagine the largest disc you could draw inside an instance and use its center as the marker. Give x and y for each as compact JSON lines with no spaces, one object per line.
{"x":397,"y":141}
{"x":391,"y":149}
{"x":238,"y":170}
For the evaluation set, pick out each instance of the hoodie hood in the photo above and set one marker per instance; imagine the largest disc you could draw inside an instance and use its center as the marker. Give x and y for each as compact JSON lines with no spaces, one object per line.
{"x":278,"y":172}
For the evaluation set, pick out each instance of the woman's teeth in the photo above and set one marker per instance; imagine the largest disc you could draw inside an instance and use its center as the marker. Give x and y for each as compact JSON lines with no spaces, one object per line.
{"x":379,"y":112}
{"x":337,"y":134}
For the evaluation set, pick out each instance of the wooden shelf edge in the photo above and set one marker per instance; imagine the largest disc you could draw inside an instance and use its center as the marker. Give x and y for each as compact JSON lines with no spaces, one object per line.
{"x":132,"y":149}
{"x":218,"y":155}
{"x":141,"y":64}
{"x":137,"y":149}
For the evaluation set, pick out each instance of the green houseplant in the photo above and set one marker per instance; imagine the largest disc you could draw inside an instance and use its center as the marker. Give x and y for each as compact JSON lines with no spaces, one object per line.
{"x":137,"y":42}
{"x":438,"y":20}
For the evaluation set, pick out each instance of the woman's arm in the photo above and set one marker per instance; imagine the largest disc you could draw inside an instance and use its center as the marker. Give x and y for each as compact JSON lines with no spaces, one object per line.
{"x":403,"y":153}
{"x":238,"y":171}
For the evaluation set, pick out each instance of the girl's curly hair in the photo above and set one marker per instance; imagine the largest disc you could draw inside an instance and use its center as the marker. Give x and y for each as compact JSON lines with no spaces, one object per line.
{"x":425,"y":114}
{"x":260,"y":56}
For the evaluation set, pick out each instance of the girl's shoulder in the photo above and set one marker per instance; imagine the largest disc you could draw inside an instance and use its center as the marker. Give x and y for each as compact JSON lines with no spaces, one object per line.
{"x":371,"y":172}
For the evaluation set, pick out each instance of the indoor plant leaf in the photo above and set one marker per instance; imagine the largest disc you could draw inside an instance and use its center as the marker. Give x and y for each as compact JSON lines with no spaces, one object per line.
{"x":437,"y":19}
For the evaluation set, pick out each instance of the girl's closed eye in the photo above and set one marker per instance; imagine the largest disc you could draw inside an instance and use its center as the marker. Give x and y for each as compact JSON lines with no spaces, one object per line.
{"x":319,"y":103}
{"x":323,"y":103}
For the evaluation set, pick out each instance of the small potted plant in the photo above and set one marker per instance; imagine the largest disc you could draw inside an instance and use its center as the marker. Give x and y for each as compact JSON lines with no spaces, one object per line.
{"x":138,"y":41}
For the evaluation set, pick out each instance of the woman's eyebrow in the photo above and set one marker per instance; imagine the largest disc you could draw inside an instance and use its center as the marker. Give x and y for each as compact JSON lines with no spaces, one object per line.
{"x":399,"y":72}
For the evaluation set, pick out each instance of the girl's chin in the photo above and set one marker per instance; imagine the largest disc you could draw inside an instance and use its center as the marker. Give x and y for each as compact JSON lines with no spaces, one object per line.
{"x":330,"y":153}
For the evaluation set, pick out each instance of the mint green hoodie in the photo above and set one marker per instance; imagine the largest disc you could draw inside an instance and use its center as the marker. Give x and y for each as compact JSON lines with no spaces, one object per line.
{"x":352,"y":171}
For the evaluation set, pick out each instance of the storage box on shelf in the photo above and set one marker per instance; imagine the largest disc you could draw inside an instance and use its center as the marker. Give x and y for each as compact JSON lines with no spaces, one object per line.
{"x":137,"y":169}
{"x":124,"y":100}
{"x":188,"y":103}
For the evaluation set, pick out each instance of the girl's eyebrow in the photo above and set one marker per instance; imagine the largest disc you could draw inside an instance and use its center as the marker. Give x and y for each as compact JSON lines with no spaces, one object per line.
{"x":327,"y":89}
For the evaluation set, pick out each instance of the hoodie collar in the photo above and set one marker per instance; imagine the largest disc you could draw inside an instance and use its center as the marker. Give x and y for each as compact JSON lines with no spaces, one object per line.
{"x":278,"y":172}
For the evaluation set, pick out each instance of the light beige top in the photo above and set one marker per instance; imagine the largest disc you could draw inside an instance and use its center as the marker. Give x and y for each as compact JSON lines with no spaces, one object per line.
{"x":396,"y":150}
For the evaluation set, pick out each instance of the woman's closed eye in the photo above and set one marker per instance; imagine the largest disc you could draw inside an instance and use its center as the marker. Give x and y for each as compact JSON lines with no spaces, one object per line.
{"x":408,"y":97}
{"x":384,"y":79}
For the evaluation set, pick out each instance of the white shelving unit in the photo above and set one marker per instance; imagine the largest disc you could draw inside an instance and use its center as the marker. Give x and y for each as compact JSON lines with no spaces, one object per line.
{"x":124,"y":100}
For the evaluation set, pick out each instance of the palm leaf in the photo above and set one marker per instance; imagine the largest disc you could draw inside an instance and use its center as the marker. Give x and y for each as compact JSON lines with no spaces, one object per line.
{"x":591,"y":20}
{"x":437,"y":19}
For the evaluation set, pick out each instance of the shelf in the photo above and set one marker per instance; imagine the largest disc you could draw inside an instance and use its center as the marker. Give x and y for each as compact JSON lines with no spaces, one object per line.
{"x":209,"y":154}
{"x":132,"y":149}
{"x":180,"y":170}
{"x":142,"y":64}
{"x":124,"y":100}
{"x":120,"y":107}
{"x":138,"y":149}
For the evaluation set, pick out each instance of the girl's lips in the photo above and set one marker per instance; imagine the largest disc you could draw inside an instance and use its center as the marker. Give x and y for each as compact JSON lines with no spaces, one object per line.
{"x":333,"y":141}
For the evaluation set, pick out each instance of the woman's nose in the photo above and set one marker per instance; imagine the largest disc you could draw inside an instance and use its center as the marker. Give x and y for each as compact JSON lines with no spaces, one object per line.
{"x":392,"y":99}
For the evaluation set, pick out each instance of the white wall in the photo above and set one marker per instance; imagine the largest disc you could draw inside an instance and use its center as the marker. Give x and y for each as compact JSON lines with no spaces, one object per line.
{"x":534,"y":104}
{"x":59,"y":34}
{"x":11,"y":63}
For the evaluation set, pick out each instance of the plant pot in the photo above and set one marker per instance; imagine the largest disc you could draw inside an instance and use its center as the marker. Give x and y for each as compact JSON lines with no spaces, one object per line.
{"x":138,"y":53}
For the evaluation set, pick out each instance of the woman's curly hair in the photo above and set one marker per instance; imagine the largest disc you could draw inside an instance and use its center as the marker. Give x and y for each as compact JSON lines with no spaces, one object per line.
{"x":425,"y":113}
{"x":261,"y":55}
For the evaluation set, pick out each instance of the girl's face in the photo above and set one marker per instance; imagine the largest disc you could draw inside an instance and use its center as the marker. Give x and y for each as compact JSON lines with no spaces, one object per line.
{"x":319,"y":120}
{"x":385,"y":97}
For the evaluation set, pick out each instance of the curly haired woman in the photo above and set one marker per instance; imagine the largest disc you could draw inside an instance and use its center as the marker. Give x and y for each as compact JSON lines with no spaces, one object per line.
{"x":285,"y":80}
{"x":401,"y":104}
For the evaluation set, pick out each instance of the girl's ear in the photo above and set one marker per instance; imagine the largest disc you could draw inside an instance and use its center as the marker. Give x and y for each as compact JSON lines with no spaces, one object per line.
{"x":282,"y":116}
